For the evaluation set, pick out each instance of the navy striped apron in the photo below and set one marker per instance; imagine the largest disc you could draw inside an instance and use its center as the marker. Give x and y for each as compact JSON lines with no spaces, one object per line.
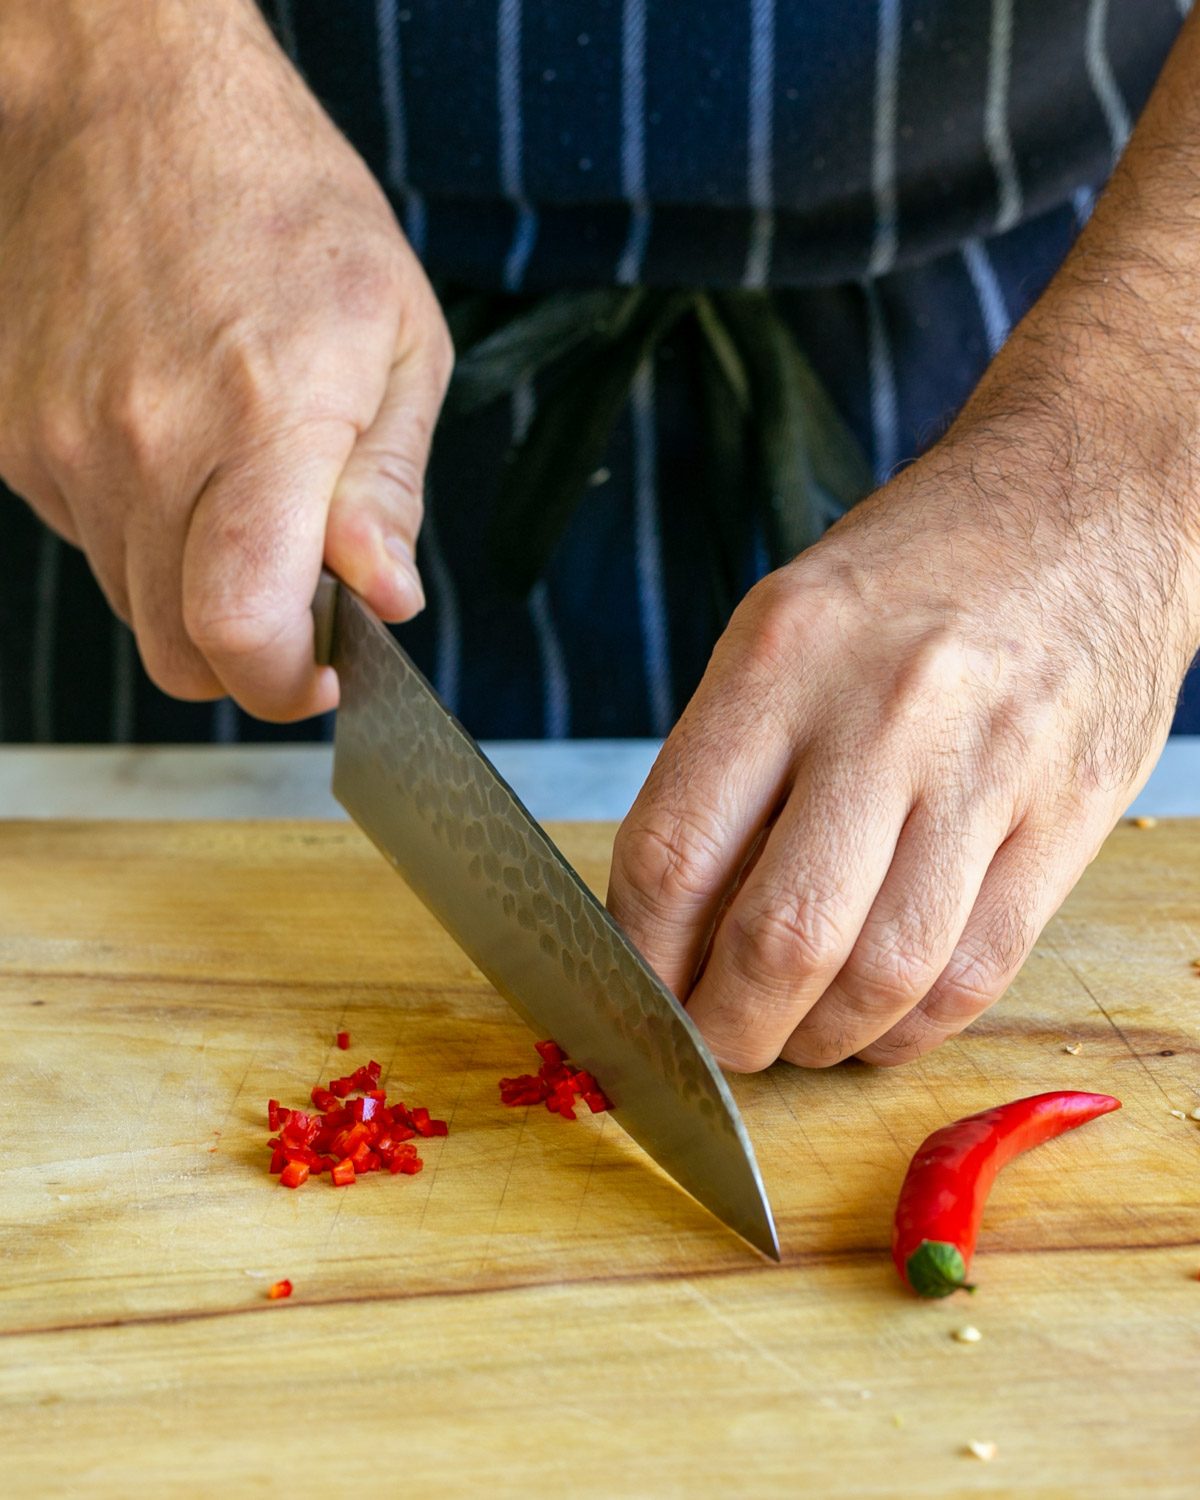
{"x":907,"y":174}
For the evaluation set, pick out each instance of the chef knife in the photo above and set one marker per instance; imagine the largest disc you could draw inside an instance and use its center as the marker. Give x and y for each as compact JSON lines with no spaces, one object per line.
{"x":425,"y":794}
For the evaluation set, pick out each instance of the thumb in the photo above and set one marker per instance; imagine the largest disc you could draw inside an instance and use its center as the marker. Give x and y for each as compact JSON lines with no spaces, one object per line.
{"x":250,"y":567}
{"x":378,"y":502}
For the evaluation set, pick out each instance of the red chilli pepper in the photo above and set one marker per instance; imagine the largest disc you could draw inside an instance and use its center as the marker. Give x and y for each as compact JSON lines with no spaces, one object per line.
{"x":946,"y":1187}
{"x":279,"y":1289}
{"x":343,"y":1041}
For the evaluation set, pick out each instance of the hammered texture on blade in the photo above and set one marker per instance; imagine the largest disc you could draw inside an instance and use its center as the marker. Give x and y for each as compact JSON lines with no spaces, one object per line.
{"x":416,"y":782}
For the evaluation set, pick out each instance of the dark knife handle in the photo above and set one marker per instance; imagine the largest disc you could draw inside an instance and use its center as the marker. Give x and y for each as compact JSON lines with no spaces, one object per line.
{"x":324,"y":608}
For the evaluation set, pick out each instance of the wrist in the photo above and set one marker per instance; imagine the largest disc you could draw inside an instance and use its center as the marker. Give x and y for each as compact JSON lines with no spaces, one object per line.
{"x":1098,"y":411}
{"x":63,"y":63}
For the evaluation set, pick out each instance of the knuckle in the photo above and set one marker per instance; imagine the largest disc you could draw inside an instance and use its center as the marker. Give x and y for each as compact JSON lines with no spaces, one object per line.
{"x":736,"y":1042}
{"x":134,"y":416}
{"x":779,"y":636}
{"x":249,"y":376}
{"x":230,"y":635}
{"x":403,"y":475}
{"x":1005,"y":940}
{"x":62,"y":438}
{"x":763,"y":627}
{"x":898,"y":1047}
{"x":808,"y":1047}
{"x":366,"y":279}
{"x":964,"y":991}
{"x":743,"y":1059}
{"x":938,"y":684}
{"x":891,"y":970}
{"x":175,"y":669}
{"x":665,"y":858}
{"x":980,"y":971}
{"x":938,"y":664}
{"x":794,"y":936}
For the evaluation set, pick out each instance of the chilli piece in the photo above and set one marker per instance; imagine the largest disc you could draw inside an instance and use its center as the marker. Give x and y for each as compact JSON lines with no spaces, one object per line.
{"x":556,"y":1084}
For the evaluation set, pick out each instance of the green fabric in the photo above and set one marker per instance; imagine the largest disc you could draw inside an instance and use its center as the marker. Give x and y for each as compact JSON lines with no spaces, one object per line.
{"x":777,"y":449}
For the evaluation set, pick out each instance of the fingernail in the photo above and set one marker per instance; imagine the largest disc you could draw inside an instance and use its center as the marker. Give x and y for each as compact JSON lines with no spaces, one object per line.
{"x":406,"y":568}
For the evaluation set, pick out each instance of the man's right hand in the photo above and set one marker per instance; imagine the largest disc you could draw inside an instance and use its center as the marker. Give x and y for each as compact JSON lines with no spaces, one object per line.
{"x":220,"y":362}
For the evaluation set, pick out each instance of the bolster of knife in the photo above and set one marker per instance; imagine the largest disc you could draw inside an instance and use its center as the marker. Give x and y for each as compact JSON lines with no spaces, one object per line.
{"x":324,"y":609}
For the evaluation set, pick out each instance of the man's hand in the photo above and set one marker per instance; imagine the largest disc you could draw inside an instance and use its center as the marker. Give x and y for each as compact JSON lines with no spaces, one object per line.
{"x":908,"y":745}
{"x":219,"y":359}
{"x":912,"y":739}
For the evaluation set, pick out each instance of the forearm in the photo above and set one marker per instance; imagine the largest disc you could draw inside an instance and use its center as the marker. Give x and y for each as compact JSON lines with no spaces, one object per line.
{"x":1137,"y":264}
{"x":1104,"y":373}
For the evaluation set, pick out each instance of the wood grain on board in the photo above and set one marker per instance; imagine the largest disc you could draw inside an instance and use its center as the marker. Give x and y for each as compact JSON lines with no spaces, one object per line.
{"x":541,"y":1308}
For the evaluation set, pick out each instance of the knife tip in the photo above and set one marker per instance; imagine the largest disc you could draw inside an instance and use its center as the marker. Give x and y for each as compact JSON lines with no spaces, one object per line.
{"x":764,"y":1237}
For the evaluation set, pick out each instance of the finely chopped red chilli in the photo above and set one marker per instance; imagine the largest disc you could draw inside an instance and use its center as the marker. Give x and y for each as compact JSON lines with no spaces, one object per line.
{"x":556,"y":1084}
{"x":348,"y":1137}
{"x":352,"y":1129}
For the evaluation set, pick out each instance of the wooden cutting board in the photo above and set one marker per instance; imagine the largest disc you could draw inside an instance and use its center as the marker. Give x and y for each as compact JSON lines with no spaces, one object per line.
{"x":542,"y":1311}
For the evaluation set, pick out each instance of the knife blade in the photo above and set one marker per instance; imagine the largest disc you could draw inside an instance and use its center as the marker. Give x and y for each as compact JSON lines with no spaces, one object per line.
{"x":419,"y":786}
